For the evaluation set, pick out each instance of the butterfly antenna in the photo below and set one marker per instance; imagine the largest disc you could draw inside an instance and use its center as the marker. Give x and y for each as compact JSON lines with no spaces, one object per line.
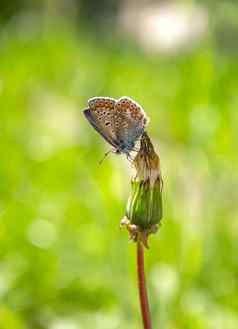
{"x":104,"y":157}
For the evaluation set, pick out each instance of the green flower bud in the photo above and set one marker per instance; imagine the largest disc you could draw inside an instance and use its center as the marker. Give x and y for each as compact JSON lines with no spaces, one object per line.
{"x":144,"y":207}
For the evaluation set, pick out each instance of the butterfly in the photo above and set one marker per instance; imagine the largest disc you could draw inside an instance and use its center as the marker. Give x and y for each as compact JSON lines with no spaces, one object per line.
{"x":120,"y":122}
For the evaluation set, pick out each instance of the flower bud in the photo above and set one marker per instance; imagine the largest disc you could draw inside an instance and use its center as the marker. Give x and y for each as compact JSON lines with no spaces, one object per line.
{"x":144,"y":208}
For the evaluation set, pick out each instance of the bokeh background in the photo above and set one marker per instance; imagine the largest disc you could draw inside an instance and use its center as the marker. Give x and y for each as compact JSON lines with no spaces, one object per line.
{"x":64,"y":263}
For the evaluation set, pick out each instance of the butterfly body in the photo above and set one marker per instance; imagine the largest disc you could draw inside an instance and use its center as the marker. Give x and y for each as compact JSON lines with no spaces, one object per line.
{"x":120,"y":122}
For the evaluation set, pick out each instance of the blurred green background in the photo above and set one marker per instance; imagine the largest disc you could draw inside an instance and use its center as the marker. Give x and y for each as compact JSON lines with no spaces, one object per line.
{"x":64,"y":263}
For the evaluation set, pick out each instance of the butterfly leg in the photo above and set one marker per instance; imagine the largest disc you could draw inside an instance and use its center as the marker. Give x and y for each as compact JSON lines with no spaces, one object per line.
{"x":129,"y":158}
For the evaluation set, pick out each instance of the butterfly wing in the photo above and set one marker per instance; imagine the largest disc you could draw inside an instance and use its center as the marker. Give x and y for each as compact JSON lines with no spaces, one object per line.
{"x":100,"y":115}
{"x":130,"y":122}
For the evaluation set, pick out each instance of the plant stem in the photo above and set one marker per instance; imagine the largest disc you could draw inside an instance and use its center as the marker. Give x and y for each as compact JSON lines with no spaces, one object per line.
{"x":144,"y":304}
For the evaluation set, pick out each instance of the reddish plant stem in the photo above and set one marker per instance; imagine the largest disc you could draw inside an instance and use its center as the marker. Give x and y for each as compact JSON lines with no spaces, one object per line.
{"x":144,"y":303}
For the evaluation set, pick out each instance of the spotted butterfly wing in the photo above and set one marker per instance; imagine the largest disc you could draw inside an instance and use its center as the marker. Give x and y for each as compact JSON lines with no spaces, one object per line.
{"x":129,"y":121}
{"x":100,"y":115}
